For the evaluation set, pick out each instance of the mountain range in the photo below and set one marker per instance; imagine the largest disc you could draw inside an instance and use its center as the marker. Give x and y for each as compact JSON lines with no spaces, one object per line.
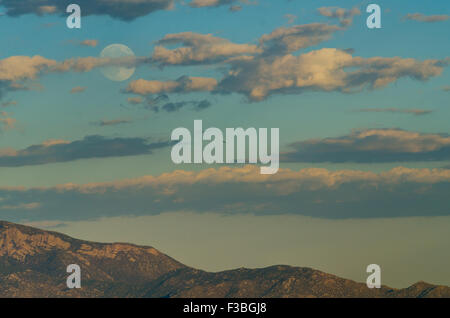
{"x":33,"y":263}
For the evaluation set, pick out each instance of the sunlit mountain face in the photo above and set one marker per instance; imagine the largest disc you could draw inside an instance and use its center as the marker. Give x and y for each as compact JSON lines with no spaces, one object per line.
{"x":227,"y":134}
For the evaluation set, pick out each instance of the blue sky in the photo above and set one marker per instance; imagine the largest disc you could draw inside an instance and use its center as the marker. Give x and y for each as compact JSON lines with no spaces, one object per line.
{"x":48,"y":111}
{"x":405,"y":118}
{"x":70,"y":117}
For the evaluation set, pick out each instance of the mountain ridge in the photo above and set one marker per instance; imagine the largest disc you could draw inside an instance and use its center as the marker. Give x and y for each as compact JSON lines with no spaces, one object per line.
{"x":33,"y":264}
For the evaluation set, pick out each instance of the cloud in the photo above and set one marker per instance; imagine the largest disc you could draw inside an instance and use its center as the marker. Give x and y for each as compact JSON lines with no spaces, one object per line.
{"x":126,"y":10}
{"x":91,"y":43}
{"x":259,"y":71}
{"x":46,"y":9}
{"x":161,"y":102}
{"x":176,"y":106}
{"x":46,"y":224}
{"x":198,"y":49}
{"x":135,"y":100}
{"x":7,"y":87}
{"x":6,"y":122}
{"x":112,"y":122}
{"x":268,"y":68}
{"x":287,"y":40}
{"x":213,"y":3}
{"x":86,"y":64}
{"x":49,"y":25}
{"x":235,"y":8}
{"x":290,"y":18}
{"x":183,"y":84}
{"x":204,"y":49}
{"x":21,"y":206}
{"x":416,"y":112}
{"x":424,"y":18}
{"x":372,"y":146}
{"x":399,"y":192}
{"x":16,"y":68}
{"x":15,"y":71}
{"x":54,"y":151}
{"x":322,"y":70}
{"x":8,"y":104}
{"x":155,"y":100}
{"x":77,"y":89}
{"x":256,"y":71}
{"x":345,"y":16}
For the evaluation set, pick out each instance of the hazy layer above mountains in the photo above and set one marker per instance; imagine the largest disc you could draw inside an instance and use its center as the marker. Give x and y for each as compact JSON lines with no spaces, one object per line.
{"x":407,"y":249}
{"x":33,"y":264}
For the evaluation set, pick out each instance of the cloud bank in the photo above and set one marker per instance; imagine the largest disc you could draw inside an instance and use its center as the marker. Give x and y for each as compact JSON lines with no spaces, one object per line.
{"x":322,"y":70}
{"x":95,"y":146}
{"x":126,"y":10}
{"x":314,"y":192}
{"x":273,"y":66}
{"x":372,"y":146}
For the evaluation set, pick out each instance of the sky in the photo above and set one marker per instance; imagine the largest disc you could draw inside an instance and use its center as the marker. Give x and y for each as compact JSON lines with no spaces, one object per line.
{"x":363,"y":118}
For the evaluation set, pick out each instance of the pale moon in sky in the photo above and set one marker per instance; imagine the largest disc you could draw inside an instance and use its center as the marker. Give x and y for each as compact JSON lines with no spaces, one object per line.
{"x":117,"y":73}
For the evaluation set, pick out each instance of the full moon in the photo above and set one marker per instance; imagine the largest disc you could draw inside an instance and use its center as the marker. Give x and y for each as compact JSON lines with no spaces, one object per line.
{"x":116,"y":72}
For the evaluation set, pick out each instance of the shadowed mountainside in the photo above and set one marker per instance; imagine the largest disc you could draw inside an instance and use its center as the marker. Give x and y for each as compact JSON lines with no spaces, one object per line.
{"x":33,"y":264}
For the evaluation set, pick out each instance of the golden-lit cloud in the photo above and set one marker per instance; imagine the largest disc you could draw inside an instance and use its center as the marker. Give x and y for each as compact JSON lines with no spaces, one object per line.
{"x":294,"y":38}
{"x":77,"y":89}
{"x":313,"y":192}
{"x":198,"y":49}
{"x":216,"y":3}
{"x":6,"y":122}
{"x":271,"y":67}
{"x":91,"y":43}
{"x":135,"y":100}
{"x":182,"y":85}
{"x":16,"y":71}
{"x":257,"y":71}
{"x":345,"y":16}
{"x":323,"y":70}
{"x":16,"y":68}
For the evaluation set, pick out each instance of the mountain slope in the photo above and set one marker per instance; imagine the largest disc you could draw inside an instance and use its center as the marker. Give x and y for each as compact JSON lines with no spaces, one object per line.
{"x":33,"y":264}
